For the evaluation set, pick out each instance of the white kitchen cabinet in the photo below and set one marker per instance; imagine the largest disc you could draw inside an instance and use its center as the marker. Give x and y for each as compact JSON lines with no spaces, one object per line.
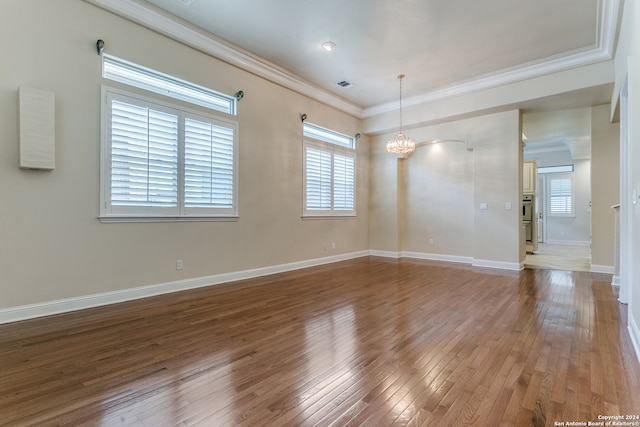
{"x":529,"y":176}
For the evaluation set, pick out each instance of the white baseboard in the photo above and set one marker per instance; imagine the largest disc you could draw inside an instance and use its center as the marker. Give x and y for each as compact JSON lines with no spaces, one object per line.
{"x":438,"y":257}
{"x":452,"y":258}
{"x":14,"y":314}
{"x":607,"y":269}
{"x":384,"y":254}
{"x":514,"y":266}
{"x":569,"y":242}
{"x":634,"y":331}
{"x":615,"y":281}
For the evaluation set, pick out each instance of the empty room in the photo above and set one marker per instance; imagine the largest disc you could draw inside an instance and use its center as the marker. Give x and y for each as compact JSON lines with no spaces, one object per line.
{"x":279,"y":213}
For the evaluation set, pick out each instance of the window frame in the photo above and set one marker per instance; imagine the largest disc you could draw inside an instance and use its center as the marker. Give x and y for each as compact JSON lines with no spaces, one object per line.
{"x":557,"y":177}
{"x":141,"y":77}
{"x":129,"y":213}
{"x":344,"y":145}
{"x":555,"y":169}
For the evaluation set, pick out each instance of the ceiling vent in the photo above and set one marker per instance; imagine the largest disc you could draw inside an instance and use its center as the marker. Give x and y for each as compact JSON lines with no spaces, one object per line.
{"x":344,"y":83}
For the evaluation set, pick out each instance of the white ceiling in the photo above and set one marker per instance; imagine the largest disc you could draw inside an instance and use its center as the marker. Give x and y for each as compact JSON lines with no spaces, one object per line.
{"x":438,"y":44}
{"x":566,"y":131}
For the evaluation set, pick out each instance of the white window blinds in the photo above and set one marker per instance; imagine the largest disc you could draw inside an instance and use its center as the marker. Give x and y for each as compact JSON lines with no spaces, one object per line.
{"x":318,"y":164}
{"x":208,"y":165}
{"x":144,"y":156}
{"x":560,"y":196}
{"x":343,"y":182}
{"x":329,"y":172}
{"x":163,"y":161}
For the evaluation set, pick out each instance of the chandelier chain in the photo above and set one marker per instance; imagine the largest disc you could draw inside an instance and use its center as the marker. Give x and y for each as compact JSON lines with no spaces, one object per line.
{"x":400,"y":77}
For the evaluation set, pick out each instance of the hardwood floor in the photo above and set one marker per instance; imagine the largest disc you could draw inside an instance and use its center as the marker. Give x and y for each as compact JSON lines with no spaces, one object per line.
{"x":367,"y":342}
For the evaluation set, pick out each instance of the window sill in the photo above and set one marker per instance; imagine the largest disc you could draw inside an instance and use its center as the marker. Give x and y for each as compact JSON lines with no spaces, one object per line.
{"x":184,"y":218}
{"x":330,"y":216}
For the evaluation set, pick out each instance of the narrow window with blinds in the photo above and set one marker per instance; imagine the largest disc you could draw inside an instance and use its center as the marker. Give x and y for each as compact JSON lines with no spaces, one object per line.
{"x":561,"y":196}
{"x":318,"y":164}
{"x":208,"y":164}
{"x":329,"y":173}
{"x":163,"y":162}
{"x":343,"y":182}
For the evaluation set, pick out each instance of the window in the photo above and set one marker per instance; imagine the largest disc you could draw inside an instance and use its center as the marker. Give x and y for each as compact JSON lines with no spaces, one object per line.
{"x":555,"y":169}
{"x":164,"y":162}
{"x":329,"y":172}
{"x":161,"y":161}
{"x":135,"y":75}
{"x":561,"y":196}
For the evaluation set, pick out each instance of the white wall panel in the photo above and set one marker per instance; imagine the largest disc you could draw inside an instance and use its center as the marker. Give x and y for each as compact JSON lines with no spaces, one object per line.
{"x":37,"y":129}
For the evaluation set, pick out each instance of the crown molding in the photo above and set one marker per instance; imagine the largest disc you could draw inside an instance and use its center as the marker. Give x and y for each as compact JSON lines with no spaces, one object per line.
{"x":608,"y":16}
{"x":550,"y":66}
{"x":603,"y":50}
{"x":165,"y":24}
{"x":205,"y":42}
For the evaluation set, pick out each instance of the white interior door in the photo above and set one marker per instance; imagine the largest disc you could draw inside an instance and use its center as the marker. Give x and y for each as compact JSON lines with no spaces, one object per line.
{"x":540,"y":208}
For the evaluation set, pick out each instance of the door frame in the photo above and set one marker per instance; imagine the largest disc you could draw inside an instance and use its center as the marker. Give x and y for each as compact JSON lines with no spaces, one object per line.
{"x":541,"y":213}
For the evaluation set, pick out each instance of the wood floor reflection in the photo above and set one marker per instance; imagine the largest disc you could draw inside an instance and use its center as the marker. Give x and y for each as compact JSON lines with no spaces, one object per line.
{"x":367,"y":342}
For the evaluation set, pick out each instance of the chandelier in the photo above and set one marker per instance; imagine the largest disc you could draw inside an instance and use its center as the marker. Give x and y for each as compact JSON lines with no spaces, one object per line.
{"x":401,"y":143}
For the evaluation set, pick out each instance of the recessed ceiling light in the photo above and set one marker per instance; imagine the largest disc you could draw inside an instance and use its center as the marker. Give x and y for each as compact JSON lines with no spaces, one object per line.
{"x":328,"y":46}
{"x":186,"y":2}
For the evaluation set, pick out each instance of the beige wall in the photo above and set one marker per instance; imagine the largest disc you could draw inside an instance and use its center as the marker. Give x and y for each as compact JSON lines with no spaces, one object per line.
{"x":498,"y":179}
{"x":52,"y":245}
{"x":439,"y":218}
{"x":605,"y":184}
{"x":384,"y":199}
{"x":436,"y":193}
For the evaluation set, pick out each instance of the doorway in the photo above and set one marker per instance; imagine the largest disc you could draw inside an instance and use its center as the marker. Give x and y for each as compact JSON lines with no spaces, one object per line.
{"x":560,"y":142}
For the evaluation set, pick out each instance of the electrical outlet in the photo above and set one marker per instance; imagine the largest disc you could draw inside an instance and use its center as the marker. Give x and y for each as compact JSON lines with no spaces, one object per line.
{"x":179,"y":264}
{"x":431,"y":241}
{"x":333,"y":246}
